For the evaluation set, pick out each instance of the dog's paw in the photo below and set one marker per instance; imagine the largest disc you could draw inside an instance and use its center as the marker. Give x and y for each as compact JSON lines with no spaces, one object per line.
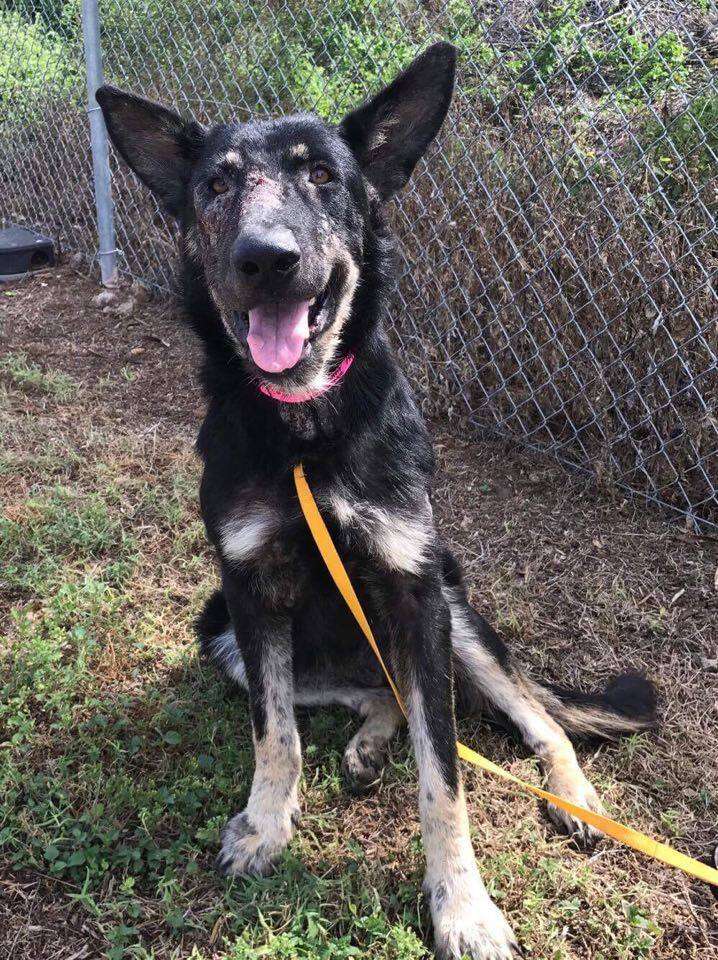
{"x":362,"y":764}
{"x":249,"y":850}
{"x":467,"y":923}
{"x":578,"y":790}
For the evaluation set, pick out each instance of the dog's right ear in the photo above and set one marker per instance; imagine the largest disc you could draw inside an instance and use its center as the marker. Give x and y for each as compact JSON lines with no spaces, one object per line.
{"x":157,"y":143}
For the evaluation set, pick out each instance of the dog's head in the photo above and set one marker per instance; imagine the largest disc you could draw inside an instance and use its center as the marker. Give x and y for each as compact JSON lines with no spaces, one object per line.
{"x":276,"y":212}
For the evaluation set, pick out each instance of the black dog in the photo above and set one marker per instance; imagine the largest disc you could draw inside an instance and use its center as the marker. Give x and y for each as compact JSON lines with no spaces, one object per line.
{"x":286,"y":265}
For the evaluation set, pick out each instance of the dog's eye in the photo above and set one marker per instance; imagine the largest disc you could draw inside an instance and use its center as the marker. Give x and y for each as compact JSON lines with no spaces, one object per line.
{"x":219,"y":185}
{"x":320,"y":175}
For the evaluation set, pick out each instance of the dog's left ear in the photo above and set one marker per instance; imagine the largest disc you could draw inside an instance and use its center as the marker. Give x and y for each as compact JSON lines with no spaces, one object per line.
{"x":390,"y":133}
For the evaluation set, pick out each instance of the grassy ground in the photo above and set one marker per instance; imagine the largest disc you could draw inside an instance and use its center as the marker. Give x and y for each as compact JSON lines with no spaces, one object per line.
{"x":121,"y":754}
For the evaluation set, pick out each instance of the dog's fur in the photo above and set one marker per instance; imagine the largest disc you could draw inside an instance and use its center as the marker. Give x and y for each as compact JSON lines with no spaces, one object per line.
{"x":278,"y":627}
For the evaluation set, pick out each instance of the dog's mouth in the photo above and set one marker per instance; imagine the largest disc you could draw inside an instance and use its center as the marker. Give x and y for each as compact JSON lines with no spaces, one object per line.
{"x":279,"y":334}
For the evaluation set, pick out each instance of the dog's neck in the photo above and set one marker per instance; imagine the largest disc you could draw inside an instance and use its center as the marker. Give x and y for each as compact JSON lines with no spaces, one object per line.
{"x":304,"y":396}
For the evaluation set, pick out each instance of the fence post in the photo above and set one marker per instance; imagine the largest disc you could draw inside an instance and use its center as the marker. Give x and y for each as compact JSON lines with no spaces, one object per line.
{"x":107,"y":253}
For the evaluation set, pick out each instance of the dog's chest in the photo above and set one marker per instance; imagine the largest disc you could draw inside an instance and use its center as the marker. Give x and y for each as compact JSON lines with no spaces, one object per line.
{"x":266,"y":532}
{"x":256,"y":531}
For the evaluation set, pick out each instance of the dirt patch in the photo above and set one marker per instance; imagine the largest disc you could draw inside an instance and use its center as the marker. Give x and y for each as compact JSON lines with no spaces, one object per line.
{"x":148,"y":353}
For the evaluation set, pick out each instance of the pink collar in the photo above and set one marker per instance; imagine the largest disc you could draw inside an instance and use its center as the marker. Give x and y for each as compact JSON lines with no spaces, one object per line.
{"x":269,"y":391}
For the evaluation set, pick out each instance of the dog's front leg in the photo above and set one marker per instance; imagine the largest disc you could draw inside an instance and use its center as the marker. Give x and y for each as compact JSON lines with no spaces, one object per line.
{"x":253,"y":840}
{"x":466,"y":921}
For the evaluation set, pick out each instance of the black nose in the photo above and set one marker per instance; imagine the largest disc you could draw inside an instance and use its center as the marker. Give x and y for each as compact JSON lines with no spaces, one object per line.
{"x":267,"y":252}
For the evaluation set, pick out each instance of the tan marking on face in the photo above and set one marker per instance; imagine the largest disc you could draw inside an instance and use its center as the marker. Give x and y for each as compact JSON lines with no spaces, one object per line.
{"x":324,"y":358}
{"x":330,"y":340}
{"x":343,"y":308}
{"x":299,"y":151}
{"x":233,"y":158}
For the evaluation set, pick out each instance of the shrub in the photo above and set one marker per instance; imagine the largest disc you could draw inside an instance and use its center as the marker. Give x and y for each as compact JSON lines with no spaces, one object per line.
{"x":34,"y":62}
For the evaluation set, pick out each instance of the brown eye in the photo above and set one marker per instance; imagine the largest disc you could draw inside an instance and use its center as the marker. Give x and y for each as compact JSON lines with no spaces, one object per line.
{"x":219,"y":185}
{"x":319,"y":175}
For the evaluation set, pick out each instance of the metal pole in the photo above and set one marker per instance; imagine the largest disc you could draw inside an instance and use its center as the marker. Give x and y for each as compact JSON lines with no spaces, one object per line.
{"x":107,"y":253}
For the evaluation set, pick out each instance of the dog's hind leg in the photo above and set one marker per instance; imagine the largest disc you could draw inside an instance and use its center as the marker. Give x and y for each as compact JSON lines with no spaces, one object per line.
{"x":484,"y":673}
{"x":366,"y":752}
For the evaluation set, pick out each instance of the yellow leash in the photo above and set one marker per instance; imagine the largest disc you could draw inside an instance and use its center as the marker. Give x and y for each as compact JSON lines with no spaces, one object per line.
{"x":626,"y":835}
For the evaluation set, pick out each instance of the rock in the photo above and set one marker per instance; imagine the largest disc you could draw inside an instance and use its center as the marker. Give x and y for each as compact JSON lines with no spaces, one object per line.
{"x":140,"y":292}
{"x":104,"y":298}
{"x":126,"y":308}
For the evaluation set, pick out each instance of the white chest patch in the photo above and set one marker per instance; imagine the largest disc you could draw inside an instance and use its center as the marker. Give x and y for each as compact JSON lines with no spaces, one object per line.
{"x":245,"y":534}
{"x":400,"y":540}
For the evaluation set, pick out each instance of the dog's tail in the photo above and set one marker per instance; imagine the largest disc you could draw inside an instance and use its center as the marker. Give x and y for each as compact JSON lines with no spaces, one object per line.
{"x":627,"y":705}
{"x":217,"y":641}
{"x":486,"y":675}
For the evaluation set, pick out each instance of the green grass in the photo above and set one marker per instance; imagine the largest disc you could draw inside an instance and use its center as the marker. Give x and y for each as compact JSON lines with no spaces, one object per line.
{"x":25,"y":374}
{"x":122,"y":755}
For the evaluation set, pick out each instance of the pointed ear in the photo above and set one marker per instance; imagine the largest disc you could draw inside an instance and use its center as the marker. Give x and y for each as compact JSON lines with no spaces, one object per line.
{"x":155,"y":142}
{"x":390,"y":133}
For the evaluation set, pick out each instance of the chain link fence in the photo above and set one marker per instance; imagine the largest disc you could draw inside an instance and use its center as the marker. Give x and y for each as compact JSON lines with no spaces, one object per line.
{"x":559,"y":254}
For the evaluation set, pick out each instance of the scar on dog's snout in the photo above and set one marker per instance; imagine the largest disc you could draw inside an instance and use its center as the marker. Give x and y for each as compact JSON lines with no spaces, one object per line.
{"x":261,"y":192}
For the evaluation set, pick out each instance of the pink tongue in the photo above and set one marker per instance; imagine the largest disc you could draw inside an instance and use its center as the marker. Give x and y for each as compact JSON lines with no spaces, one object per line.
{"x":277,"y":334}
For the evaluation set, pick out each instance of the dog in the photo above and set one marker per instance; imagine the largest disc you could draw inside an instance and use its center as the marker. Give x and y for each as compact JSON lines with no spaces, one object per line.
{"x":286,"y":269}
